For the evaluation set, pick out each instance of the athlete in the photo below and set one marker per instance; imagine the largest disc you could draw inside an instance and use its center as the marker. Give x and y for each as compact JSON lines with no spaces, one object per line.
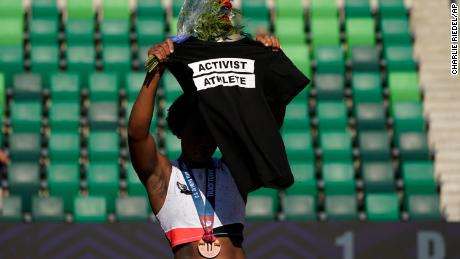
{"x":194,"y":198}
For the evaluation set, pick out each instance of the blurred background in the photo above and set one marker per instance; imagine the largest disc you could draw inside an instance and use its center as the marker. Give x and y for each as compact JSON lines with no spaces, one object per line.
{"x":375,"y":137}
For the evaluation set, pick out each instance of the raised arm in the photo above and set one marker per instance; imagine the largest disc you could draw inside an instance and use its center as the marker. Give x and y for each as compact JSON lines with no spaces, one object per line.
{"x":152,"y":167}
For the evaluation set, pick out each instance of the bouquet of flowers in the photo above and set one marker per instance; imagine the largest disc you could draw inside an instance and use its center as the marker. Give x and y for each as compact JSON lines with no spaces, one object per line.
{"x":207,"y":20}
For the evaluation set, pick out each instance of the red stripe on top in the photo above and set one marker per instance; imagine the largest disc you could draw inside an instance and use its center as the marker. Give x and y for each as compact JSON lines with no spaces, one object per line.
{"x":180,"y":236}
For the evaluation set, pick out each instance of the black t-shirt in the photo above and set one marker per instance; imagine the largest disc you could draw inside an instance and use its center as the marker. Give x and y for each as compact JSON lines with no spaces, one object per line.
{"x":235,"y":82}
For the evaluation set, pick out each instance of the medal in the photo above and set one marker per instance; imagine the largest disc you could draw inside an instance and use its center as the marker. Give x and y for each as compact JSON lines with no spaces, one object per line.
{"x":209,"y":246}
{"x":209,"y":250}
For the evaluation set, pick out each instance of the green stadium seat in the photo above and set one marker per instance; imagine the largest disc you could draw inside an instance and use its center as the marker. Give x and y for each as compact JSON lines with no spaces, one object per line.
{"x":11,"y":209}
{"x":378,"y":176}
{"x":150,"y":31}
{"x":302,"y":97}
{"x":217,"y":154}
{"x":171,"y":87}
{"x":341,"y":207}
{"x":134,"y":184}
{"x":358,"y":8}
{"x":64,"y":181}
{"x":2,"y":95}
{"x":172,"y":146}
{"x":370,"y":116}
{"x":367,"y":87}
{"x":254,"y":25}
{"x":360,"y":32}
{"x":65,"y":86}
{"x":300,"y":207}
{"x":103,"y":87}
{"x":116,"y":9}
{"x":44,"y":31}
{"x":134,"y":82}
{"x":132,"y":208}
{"x":24,"y":180}
{"x":329,"y":59}
{"x":26,"y":115}
{"x":117,"y":59}
{"x":80,"y":9}
{"x":400,"y":58}
{"x":90,"y":209}
{"x":255,"y":8}
{"x":176,"y":7}
{"x":80,"y":32}
{"x":329,"y":86}
{"x":339,"y":178}
{"x":49,"y":209}
{"x":296,"y":117}
{"x":11,"y":62}
{"x":81,"y":59}
{"x":404,"y":87}
{"x":424,"y":207}
{"x":395,"y":31}
{"x":25,"y":146}
{"x":27,"y":86}
{"x":114,"y":32}
{"x":332,"y":115}
{"x":103,"y":146}
{"x":45,"y":8}
{"x":382,"y":207}
{"x":336,"y":145}
{"x":323,"y":8}
{"x":299,"y":146}
{"x":103,"y":180}
{"x":419,"y":177}
{"x":150,"y":9}
{"x":12,"y":31}
{"x":413,"y":146}
{"x":304,"y":179}
{"x":374,"y":145}
{"x":45,"y":61}
{"x":291,"y":30}
{"x":289,"y":8}
{"x":64,"y":146}
{"x":392,"y":8}
{"x":365,"y":59}
{"x":64,"y":115}
{"x":262,"y":204}
{"x":172,"y":25}
{"x":11,"y":8}
{"x":408,"y":116}
{"x":325,"y":31}
{"x":103,"y":115}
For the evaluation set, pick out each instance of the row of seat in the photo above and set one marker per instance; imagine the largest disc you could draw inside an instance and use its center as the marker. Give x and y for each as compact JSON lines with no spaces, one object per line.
{"x":378,"y":207}
{"x":87,"y":209}
{"x":263,"y":205}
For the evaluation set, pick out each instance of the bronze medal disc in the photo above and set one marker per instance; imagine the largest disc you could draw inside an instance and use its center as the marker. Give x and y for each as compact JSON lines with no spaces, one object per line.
{"x":209,"y":250}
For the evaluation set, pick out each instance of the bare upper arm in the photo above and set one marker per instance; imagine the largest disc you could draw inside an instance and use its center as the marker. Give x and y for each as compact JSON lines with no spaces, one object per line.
{"x":152,"y":167}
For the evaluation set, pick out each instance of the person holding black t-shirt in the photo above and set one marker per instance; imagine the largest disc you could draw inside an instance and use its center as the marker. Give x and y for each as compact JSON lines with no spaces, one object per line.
{"x":200,"y":201}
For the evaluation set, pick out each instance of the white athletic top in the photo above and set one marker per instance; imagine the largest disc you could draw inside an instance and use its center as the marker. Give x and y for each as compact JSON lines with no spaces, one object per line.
{"x":179,"y":218}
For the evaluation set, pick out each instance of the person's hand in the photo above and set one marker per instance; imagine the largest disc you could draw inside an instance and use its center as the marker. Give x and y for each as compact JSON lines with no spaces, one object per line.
{"x":269,"y":41}
{"x":161,"y":52}
{"x":4,"y":159}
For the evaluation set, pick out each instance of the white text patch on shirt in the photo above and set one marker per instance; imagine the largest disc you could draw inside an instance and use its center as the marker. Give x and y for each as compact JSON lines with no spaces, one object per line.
{"x":223,"y":71}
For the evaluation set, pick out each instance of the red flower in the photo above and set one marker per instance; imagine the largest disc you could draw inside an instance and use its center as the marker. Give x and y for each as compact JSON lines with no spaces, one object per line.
{"x":227,"y":3}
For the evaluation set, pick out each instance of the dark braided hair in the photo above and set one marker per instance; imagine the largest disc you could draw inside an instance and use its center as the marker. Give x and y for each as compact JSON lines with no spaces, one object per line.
{"x":179,"y":112}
